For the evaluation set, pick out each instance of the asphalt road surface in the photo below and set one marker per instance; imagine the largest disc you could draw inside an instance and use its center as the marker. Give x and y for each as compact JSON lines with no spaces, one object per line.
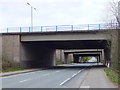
{"x":50,"y":78}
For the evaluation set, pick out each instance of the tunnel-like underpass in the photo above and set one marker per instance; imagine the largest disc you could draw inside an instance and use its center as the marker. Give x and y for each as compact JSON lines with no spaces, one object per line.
{"x":37,"y":54}
{"x":77,"y":58}
{"x":77,"y":54}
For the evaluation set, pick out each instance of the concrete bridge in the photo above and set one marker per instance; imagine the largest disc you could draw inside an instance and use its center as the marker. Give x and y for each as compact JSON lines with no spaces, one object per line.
{"x":77,"y":55}
{"x":85,"y":52}
{"x":37,"y":49}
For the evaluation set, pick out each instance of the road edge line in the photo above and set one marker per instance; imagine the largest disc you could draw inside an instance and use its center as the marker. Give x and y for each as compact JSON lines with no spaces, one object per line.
{"x":71,"y":77}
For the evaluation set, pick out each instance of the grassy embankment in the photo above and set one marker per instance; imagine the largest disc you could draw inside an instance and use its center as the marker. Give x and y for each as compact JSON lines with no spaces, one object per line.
{"x":8,"y":66}
{"x":114,"y":76}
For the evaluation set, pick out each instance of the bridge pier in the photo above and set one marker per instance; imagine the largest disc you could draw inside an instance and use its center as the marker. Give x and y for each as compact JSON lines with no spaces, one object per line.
{"x":76,"y":58}
{"x":107,"y":52}
{"x":68,"y":58}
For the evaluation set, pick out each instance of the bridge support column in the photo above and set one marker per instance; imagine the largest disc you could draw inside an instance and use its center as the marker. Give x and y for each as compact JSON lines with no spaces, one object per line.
{"x":107,"y":53}
{"x":76,"y":58}
{"x":66,"y":58}
{"x":102,"y":57}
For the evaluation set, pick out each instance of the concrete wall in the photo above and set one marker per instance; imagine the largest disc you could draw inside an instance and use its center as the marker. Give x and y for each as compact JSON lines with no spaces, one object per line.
{"x":76,"y":58}
{"x":11,"y":47}
{"x":35,"y":56}
{"x":68,"y":58}
{"x":59,"y":55}
{"x":115,"y":49}
{"x":64,"y":36}
{"x":26,"y":54}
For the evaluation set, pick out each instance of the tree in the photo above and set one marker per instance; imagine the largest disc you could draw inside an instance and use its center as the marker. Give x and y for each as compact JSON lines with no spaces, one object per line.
{"x":114,"y":8}
{"x":85,"y":59}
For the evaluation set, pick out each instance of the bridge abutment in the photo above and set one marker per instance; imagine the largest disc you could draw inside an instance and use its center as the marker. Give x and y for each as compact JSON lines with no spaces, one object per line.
{"x":11,"y":48}
{"x":34,"y":55}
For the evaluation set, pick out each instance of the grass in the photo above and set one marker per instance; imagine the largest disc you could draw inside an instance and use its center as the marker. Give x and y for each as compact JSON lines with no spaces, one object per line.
{"x":59,"y":62}
{"x":11,"y":70}
{"x":9,"y":66}
{"x":112,"y":75}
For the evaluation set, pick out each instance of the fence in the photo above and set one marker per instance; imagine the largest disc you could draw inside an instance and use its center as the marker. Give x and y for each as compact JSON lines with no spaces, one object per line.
{"x":61,"y":28}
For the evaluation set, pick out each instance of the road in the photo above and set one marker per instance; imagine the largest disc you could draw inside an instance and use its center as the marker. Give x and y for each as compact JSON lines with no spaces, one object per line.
{"x":50,"y":78}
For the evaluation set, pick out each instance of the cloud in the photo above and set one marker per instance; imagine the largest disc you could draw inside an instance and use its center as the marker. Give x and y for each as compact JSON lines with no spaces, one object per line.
{"x":50,"y":12}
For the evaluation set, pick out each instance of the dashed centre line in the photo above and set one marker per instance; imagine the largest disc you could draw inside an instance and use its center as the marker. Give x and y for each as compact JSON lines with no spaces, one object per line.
{"x":24,"y":80}
{"x":57,"y":71}
{"x":46,"y":74}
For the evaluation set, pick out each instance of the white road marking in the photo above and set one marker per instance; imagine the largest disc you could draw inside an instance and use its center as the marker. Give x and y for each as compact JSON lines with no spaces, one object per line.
{"x":85,"y":87}
{"x":8,"y":76}
{"x":71,"y":77}
{"x":46,"y":74}
{"x":64,"y":81}
{"x":24,"y":80}
{"x":20,"y":74}
{"x":74,"y":75}
{"x":57,"y":71}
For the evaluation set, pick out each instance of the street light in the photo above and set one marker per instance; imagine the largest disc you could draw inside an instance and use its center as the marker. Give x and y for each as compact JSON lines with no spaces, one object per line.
{"x":31,"y":15}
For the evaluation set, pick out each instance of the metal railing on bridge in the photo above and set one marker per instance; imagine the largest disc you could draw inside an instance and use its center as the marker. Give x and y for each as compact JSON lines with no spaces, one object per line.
{"x":61,"y":28}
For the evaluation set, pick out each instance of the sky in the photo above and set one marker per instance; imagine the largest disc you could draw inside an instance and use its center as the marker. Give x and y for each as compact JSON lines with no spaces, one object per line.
{"x":16,"y":13}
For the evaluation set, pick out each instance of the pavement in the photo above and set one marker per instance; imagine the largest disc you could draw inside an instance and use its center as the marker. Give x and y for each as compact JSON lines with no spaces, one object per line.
{"x":96,"y":78}
{"x":91,"y":78}
{"x":60,"y":78}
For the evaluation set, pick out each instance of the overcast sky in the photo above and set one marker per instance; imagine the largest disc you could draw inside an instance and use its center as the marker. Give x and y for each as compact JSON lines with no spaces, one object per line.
{"x":16,"y":13}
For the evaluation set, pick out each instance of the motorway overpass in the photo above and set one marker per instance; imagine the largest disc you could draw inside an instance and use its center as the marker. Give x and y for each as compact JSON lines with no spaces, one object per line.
{"x":77,"y":55}
{"x":81,"y":53}
{"x":84,"y":52}
{"x":37,"y":49}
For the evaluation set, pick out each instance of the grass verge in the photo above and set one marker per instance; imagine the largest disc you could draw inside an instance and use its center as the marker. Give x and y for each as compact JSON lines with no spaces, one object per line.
{"x":11,"y":70}
{"x":112,"y":75}
{"x":9,"y":66}
{"x":59,"y":62}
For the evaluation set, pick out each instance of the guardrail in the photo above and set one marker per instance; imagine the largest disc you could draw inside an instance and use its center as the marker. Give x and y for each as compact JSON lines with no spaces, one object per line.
{"x":61,"y":28}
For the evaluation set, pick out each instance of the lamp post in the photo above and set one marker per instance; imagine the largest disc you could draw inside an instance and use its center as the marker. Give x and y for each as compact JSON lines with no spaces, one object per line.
{"x":31,"y":15}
